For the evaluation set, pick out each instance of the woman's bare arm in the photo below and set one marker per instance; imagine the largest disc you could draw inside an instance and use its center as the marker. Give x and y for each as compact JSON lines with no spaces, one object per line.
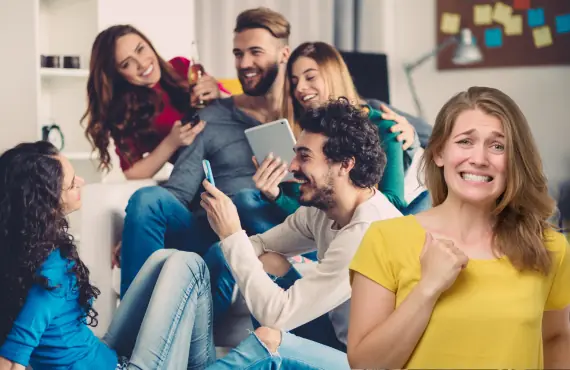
{"x":9,"y":365}
{"x":380,"y":336}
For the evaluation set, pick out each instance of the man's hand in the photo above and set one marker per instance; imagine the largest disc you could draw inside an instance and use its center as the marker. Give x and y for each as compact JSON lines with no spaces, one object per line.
{"x":206,"y":90}
{"x":269,"y":175}
{"x":407,"y":132}
{"x":222,"y":212}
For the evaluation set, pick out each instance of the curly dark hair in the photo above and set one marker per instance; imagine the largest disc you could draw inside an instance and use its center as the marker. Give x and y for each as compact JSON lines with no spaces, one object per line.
{"x":118,"y":109}
{"x":33,"y":225}
{"x":350,"y":135}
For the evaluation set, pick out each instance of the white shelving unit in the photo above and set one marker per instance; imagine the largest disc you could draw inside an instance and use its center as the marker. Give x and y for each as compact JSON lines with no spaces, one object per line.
{"x":64,"y":72}
{"x":66,"y":27}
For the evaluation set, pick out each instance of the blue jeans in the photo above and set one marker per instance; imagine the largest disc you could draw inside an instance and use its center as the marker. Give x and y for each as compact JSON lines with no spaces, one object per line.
{"x":293,"y":353}
{"x":319,"y":330}
{"x":421,"y":203}
{"x":164,"y":320}
{"x":156,"y":219}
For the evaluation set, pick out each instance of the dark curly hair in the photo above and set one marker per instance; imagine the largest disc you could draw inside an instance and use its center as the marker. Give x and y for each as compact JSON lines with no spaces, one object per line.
{"x":118,"y":109}
{"x":33,"y":225}
{"x":350,"y":135}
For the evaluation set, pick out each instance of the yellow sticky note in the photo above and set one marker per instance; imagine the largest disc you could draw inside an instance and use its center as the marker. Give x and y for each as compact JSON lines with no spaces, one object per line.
{"x":514,"y":26}
{"x":502,"y":13}
{"x":542,"y":36}
{"x":482,"y":15}
{"x":450,"y":23}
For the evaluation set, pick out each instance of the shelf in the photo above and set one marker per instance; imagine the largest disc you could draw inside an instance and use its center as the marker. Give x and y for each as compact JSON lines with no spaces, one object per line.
{"x":63,"y":72}
{"x":79,"y":156}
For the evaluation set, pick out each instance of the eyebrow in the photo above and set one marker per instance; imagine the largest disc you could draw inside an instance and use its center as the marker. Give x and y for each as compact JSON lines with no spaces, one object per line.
{"x":310,"y":69}
{"x":72,"y":182}
{"x":302,"y":149}
{"x":124,"y":60}
{"x":469,"y":132}
{"x":252,"y":48}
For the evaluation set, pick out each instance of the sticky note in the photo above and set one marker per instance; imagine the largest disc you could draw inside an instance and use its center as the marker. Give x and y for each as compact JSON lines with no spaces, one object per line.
{"x":521,"y":4}
{"x":514,"y":26}
{"x":482,"y":15}
{"x":493,"y":37}
{"x":563,"y":23}
{"x":450,"y":23}
{"x":502,"y":13}
{"x":535,"y":17}
{"x":542,"y":36}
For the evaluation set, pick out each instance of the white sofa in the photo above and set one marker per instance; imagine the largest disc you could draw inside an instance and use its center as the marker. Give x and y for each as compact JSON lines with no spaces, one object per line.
{"x":101,"y":226}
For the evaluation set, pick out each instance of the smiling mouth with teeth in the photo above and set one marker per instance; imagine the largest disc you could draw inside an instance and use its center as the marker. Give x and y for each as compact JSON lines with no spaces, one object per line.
{"x":148,"y":71}
{"x":300,"y":179}
{"x":309,"y":97}
{"x":475,"y":178}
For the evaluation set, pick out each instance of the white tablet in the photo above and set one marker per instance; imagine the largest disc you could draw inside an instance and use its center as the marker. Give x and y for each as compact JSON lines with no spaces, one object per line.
{"x":275,"y":137}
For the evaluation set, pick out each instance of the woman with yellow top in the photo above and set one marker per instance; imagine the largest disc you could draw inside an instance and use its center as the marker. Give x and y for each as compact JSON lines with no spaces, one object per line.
{"x":481,"y":280}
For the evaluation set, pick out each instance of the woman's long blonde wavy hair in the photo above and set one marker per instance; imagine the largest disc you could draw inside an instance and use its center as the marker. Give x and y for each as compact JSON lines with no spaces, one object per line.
{"x":334,"y":71}
{"x":523,"y":210}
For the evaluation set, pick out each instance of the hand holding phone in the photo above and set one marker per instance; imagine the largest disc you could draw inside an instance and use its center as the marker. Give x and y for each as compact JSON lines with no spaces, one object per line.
{"x":208,"y":171}
{"x":190,"y":117}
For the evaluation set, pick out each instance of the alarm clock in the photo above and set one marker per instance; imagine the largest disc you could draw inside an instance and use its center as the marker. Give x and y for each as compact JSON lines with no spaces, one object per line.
{"x":54,"y":135}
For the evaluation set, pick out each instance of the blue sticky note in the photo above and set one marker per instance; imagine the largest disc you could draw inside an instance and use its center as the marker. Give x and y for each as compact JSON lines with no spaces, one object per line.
{"x":563,"y":23}
{"x":494,"y":37}
{"x":535,"y":17}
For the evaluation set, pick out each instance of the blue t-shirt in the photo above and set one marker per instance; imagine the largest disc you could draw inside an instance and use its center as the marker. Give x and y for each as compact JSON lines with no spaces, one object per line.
{"x":47,"y":333}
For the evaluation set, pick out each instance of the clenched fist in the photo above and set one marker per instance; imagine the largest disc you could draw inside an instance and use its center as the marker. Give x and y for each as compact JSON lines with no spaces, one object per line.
{"x":441,"y":262}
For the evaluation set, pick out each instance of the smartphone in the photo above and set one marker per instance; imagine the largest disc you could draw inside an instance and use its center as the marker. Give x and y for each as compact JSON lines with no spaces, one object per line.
{"x":208,"y":171}
{"x":190,"y":117}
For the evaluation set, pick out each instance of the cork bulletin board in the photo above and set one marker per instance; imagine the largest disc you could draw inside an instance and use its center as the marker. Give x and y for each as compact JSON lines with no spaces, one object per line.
{"x":510,"y":33}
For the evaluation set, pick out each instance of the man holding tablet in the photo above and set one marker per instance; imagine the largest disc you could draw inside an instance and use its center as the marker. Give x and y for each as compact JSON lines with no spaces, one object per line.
{"x":338,"y":162}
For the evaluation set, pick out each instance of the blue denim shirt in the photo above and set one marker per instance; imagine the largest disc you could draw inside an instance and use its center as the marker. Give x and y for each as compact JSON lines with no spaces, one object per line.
{"x":47,"y":333}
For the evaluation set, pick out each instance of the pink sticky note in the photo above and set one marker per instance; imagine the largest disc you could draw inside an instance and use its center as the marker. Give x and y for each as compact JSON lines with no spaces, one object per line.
{"x":521,"y":4}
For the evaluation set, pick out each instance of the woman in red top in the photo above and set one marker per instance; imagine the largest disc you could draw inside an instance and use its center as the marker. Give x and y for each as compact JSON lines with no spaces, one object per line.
{"x":137,"y":99}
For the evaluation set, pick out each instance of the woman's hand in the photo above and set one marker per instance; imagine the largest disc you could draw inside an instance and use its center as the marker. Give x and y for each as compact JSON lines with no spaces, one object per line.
{"x":184,"y":134}
{"x":407,"y":132}
{"x":205,"y":90}
{"x":269,"y":175}
{"x":441,"y":262}
{"x":116,"y":255}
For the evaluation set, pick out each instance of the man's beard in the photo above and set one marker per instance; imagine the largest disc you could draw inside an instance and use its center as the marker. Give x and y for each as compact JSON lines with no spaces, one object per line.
{"x":268,"y":77}
{"x":323,"y":197}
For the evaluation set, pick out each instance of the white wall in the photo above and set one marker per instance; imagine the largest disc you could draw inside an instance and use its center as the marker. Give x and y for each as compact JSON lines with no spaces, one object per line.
{"x":167,"y":23}
{"x":543,"y":93}
{"x":310,"y":20}
{"x":18,"y":112}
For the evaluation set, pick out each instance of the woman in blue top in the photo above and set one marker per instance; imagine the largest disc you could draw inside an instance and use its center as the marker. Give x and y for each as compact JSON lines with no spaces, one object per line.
{"x":163,"y":322}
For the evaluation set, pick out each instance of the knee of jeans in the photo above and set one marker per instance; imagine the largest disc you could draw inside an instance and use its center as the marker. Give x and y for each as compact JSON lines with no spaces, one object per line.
{"x":161,"y":255}
{"x":271,"y":338}
{"x":214,"y":255}
{"x":247,"y":200}
{"x":145,"y":199}
{"x":189,"y":261}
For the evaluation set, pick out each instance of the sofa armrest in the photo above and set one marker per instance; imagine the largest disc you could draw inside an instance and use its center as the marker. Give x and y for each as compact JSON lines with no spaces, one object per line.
{"x":102,"y":216}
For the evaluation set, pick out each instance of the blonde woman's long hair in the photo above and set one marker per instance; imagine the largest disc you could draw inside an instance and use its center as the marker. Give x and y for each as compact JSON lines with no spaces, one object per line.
{"x":334,"y":71}
{"x":523,"y":210}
